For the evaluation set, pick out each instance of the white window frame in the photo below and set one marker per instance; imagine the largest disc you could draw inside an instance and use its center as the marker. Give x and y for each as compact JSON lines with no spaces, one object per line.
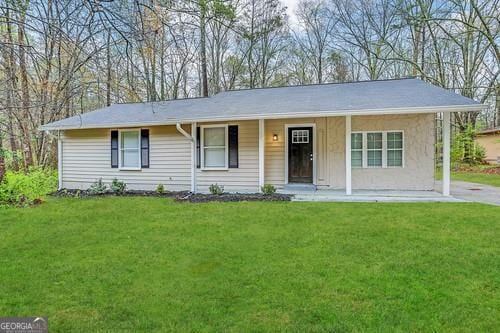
{"x":120,"y":162}
{"x":300,"y":135}
{"x":226,"y":147}
{"x":384,"y":150}
{"x":362,"y":150}
{"x":402,"y":149}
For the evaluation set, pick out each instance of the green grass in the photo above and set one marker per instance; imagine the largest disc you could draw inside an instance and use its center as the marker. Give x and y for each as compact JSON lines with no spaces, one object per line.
{"x":149,"y":264}
{"x":473,"y":177}
{"x":473,"y":174}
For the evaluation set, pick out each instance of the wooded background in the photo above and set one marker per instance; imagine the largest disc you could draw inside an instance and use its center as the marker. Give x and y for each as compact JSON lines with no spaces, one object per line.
{"x":64,"y":57}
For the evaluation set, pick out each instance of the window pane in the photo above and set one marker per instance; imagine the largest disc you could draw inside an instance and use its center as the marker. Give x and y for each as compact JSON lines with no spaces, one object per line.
{"x":374,"y":158}
{"x":394,"y":158}
{"x":357,"y":158}
{"x":130,"y":158}
{"x":214,"y":136}
{"x":215,"y":157}
{"x":374,"y":140}
{"x":130,"y":139}
{"x":357,"y":141}
{"x":394,"y":140}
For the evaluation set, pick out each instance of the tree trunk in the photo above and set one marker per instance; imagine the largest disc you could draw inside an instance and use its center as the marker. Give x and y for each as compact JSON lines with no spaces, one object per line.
{"x":108,"y":70}
{"x":203,"y":51}
{"x":25,"y":96}
{"x":11,"y":86}
{"x":497,"y":106}
{"x":2,"y":158}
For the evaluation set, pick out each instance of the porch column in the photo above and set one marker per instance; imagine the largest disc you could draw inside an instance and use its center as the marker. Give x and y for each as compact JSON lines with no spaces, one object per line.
{"x":193,"y":157}
{"x":348,"y":187}
{"x":446,"y":153}
{"x":261,"y":153}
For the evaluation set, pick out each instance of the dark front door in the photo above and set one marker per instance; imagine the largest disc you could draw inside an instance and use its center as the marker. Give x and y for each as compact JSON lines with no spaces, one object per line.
{"x":300,"y":155}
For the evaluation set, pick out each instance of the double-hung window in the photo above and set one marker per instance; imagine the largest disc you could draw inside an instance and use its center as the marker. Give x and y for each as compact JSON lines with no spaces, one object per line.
{"x":394,"y":149}
{"x":130,"y":149}
{"x":377,"y":149}
{"x":357,"y":150}
{"x":374,"y":149}
{"x":214,"y":141}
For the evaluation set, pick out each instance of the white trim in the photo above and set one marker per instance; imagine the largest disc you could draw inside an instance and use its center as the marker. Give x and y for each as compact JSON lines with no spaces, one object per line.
{"x":202,"y":148}
{"x":384,"y":149}
{"x":181,"y":130}
{"x":193,"y":157}
{"x":120,"y":167}
{"x":287,"y":126}
{"x":313,"y":114}
{"x":261,"y":153}
{"x":59,"y":161}
{"x":348,"y":168}
{"x":446,"y":153}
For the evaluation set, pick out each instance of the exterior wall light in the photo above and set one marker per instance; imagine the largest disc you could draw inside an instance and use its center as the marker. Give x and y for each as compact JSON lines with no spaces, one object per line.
{"x":275,"y":137}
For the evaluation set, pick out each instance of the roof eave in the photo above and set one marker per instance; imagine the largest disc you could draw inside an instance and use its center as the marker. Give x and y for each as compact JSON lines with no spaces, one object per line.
{"x":362,"y":112}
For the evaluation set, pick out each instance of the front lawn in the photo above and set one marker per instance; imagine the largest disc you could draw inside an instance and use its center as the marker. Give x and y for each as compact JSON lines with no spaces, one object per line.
{"x":481,"y":174}
{"x":149,"y":265}
{"x":477,"y":177}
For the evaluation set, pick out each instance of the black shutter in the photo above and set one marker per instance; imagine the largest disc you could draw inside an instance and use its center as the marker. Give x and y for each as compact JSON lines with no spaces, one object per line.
{"x":233,"y":146}
{"x":198,"y":150}
{"x":145,"y":148}
{"x":114,"y":149}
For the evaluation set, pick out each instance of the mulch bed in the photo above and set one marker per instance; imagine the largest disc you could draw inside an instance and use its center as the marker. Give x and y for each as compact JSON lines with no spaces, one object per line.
{"x":494,"y":170}
{"x":181,"y":196}
{"x":233,"y":197}
{"x":128,"y":193}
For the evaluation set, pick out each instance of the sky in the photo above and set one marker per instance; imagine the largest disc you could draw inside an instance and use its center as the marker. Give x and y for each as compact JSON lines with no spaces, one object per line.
{"x":291,"y":5}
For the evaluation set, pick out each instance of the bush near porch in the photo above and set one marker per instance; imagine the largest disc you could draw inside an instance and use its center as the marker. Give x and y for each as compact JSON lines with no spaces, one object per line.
{"x":150,"y":264}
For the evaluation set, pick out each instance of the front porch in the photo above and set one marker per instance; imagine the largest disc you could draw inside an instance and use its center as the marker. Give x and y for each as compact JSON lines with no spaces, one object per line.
{"x":338,"y":174}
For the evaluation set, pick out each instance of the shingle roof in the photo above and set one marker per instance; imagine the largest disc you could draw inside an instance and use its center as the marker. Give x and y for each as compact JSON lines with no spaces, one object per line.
{"x":364,"y":97}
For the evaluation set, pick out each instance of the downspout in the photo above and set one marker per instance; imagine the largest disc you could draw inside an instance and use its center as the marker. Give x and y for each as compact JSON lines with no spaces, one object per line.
{"x":193,"y":151}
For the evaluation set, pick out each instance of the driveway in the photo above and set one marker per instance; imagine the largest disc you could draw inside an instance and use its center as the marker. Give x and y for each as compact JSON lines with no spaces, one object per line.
{"x":475,"y":192}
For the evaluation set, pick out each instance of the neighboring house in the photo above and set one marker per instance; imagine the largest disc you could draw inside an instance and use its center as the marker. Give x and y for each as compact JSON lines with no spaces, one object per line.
{"x":360,"y":135}
{"x":489,"y":139}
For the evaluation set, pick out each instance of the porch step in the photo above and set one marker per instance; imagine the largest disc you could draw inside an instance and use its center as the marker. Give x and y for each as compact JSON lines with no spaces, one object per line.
{"x":297,"y":188}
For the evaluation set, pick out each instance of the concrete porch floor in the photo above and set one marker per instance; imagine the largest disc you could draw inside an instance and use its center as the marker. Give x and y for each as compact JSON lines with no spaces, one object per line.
{"x":368,"y":196}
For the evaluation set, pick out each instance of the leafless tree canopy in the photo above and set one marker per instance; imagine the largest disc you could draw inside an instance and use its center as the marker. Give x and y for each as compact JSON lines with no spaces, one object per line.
{"x":59,"y":58}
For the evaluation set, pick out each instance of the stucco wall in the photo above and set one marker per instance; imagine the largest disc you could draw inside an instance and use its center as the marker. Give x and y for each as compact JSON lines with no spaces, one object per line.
{"x":419,"y":138}
{"x":491,"y":144}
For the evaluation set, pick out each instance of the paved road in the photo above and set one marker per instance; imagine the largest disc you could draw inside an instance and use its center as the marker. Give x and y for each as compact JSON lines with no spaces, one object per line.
{"x":476,"y":192}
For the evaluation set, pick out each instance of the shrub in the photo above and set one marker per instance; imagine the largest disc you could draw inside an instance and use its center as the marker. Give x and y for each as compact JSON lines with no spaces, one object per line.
{"x":216,"y":189}
{"x":465,"y":149}
{"x":160,"y":189}
{"x":19,"y":188}
{"x":118,"y":187}
{"x":98,"y":187}
{"x":268,"y":189}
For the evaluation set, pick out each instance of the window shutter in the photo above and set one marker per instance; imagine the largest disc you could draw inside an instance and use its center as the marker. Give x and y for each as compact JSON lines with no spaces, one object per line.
{"x":114,"y":149}
{"x":198,"y":150}
{"x":233,"y":146}
{"x":145,"y":148}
